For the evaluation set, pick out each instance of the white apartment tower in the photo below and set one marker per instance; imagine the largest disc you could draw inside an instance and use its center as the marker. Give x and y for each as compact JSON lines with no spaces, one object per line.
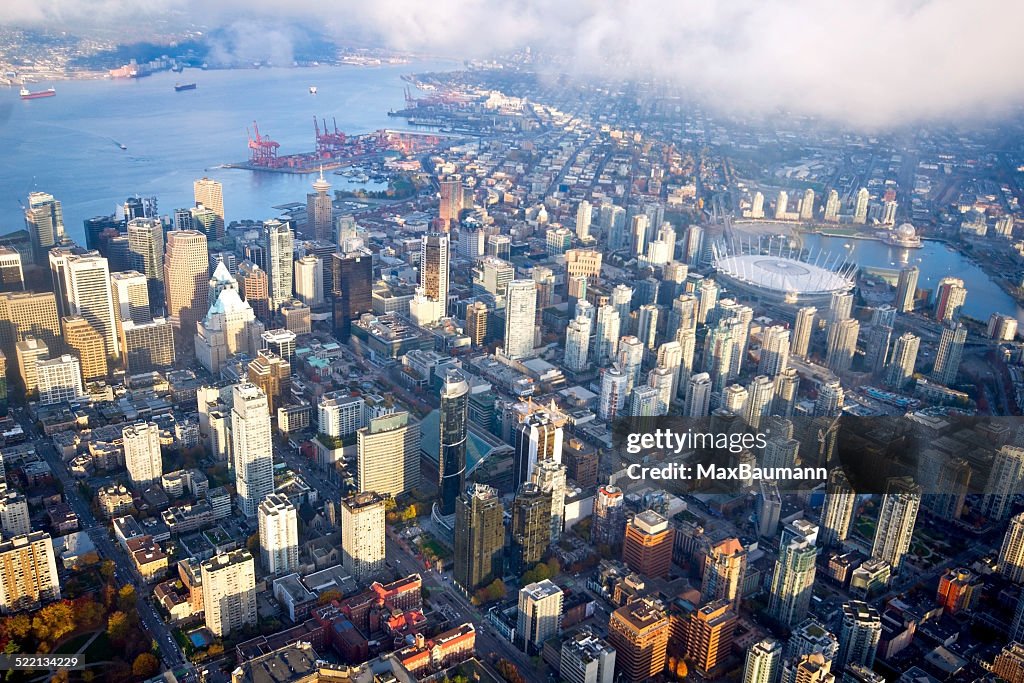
{"x":142,"y":453}
{"x":279,"y":535}
{"x":251,"y":446}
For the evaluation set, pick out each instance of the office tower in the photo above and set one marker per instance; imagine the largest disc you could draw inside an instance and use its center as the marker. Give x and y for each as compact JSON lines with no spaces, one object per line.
{"x":787,"y":383}
{"x":229,"y":327}
{"x":583,"y":262}
{"x":802,"y":330}
{"x":947,"y":357}
{"x":210,"y":194}
{"x":44,"y":220}
{"x":950,"y":295}
{"x":860,"y":210}
{"x":614,"y":392}
{"x":319,"y":210}
{"x":186,"y":271}
{"x":858,"y":636}
{"x":958,"y":589}
{"x":764,"y":661}
{"x":781,"y":205}
{"x":830,"y":399}
{"x":586,"y":658}
{"x":59,"y":379}
{"x":1009,"y":663}
{"x":842,"y":344}
{"x":492,"y":275}
{"x":760,"y":393}
{"x":550,"y":477}
{"x":647,"y":325}
{"x":229,"y":592}
{"x":896,"y":519}
{"x":281,"y":342}
{"x":12,"y":277}
{"x":309,"y":281}
{"x":253,"y":286}
{"x":95,"y":227}
{"x":1003,"y":483}
{"x":807,"y":205}
{"x":454,"y":430}
{"x":131,"y":297}
{"x":698,"y":396}
{"x":479,"y":538}
{"x":340,"y":414}
{"x":280,"y":245}
{"x":90,"y":297}
{"x":29,"y":354}
{"x":792,"y":581}
{"x":683,"y":316}
{"x":388,"y":455}
{"x":147,"y":346}
{"x":520,"y":316}
{"x":435,"y":270}
{"x":904,"y":358}
{"x":609,"y":520}
{"x":279,"y":535}
{"x":687,"y":340}
{"x":272,"y":374}
{"x":352,"y":282}
{"x":906,"y":289}
{"x":204,"y":220}
{"x":644,"y":402}
{"x":362,"y":534}
{"x":146,"y":247}
{"x":531,"y":526}
{"x":451,"y":201}
{"x":577,"y":344}
{"x":693,"y":246}
{"x":540,"y":614}
{"x":14,"y":514}
{"x":557,"y":240}
{"x":142,"y":454}
{"x":707,"y":298}
{"x":622,"y":300}
{"x":647,"y":545}
{"x":889,"y":213}
{"x":1011,"y":553}
{"x":87,"y":345}
{"x":774,"y":351}
{"x":639,"y":633}
{"x":638,"y":234}
{"x":724,"y":567}
{"x":476,"y":323}
{"x":710,"y":635}
{"x":661,"y":379}
{"x":28,"y":572}
{"x":837,"y":510}
{"x":769,"y":508}
{"x":606,"y":334}
{"x":719,"y":348}
{"x":252,"y":447}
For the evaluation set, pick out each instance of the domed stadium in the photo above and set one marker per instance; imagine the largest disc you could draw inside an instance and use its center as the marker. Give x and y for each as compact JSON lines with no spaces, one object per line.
{"x":778,"y":279}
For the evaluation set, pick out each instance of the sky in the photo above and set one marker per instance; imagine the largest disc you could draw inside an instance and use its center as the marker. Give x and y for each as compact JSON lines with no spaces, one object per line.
{"x":864,"y":63}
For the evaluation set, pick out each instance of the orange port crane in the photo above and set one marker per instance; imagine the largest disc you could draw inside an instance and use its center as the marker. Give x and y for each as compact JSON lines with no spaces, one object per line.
{"x":262,"y":150}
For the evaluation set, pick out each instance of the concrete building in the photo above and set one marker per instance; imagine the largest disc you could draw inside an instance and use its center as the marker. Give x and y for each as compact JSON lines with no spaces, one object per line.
{"x":279,"y":535}
{"x":362,"y":534}
{"x":142,"y":454}
{"x":229,"y":592}
{"x":251,"y":447}
{"x":388,"y":455}
{"x":647,"y":545}
{"x":540,"y":614}
{"x":28,"y":572}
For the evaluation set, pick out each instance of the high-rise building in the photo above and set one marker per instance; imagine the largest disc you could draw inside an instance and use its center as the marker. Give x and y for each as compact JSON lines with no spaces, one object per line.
{"x":320,"y":210}
{"x":435,"y":267}
{"x":362,"y":534}
{"x":830,"y":399}
{"x":577,"y":343}
{"x":842,"y":344}
{"x":647,"y":545}
{"x":87,"y":345}
{"x":614,"y":392}
{"x":520,"y":316}
{"x":388,"y":455}
{"x":479,"y":537}
{"x":451,"y":200}
{"x":710,"y":635}
{"x":131,"y":297}
{"x":950,"y":295}
{"x":904,"y":358}
{"x":606,"y":334}
{"x":279,"y":241}
{"x":760,"y":394}
{"x":89,"y":296}
{"x":550,"y":477}
{"x":1009,"y":663}
{"x":272,"y":374}
{"x":781,"y":205}
{"x":774,"y":351}
{"x":14,"y":514}
{"x":477,"y":318}
{"x":254,"y":288}
{"x":1003,"y":483}
{"x":698,"y":396}
{"x":454,"y":418}
{"x":583,"y":216}
{"x":947,"y":357}
{"x":832,"y":207}
{"x":146,"y":244}
{"x":769,"y":508}
{"x":802,"y":330}
{"x":142,"y":454}
{"x":724,"y":567}
{"x":352,"y":287}
{"x":896,"y":518}
{"x":1000,"y":327}
{"x":28,"y":572}
{"x":958,"y":590}
{"x":538,"y":437}
{"x":147,"y":346}
{"x":837,"y":510}
{"x":59,"y":379}
{"x":609,"y":520}
{"x":639,"y":633}
{"x":540,"y":614}
{"x":1011,"y":553}
{"x":29,"y":353}
{"x":44,"y":220}
{"x":210,"y":194}
{"x":764,"y":661}
{"x":279,"y":534}
{"x":251,"y":446}
{"x":807,"y":205}
{"x":792,"y":581}
{"x":906,"y":289}
{"x":859,"y":634}
{"x":186,"y":274}
{"x":531,"y":526}
{"x":12,"y":277}
{"x":229,"y":592}
{"x":647,"y":325}
{"x":860,"y":210}
{"x":309,"y":280}
{"x":586,"y":658}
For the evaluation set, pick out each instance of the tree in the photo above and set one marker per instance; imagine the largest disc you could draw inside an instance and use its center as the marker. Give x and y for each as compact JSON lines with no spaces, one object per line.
{"x":18,"y":626}
{"x":328,"y":596}
{"x":107,"y":569}
{"x":145,"y":666}
{"x":126,"y":598}
{"x":252,"y":544}
{"x":117,"y":627}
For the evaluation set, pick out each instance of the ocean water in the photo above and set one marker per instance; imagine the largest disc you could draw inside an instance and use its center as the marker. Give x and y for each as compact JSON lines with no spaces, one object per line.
{"x":68,"y":145}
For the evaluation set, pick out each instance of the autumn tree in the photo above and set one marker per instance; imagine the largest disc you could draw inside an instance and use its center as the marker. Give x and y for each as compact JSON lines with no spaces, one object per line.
{"x":117,"y":627}
{"x":145,"y":666}
{"x":126,"y":598}
{"x":328,"y":596}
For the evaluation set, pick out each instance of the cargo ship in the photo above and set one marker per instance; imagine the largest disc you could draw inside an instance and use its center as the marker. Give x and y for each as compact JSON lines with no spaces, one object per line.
{"x":26,"y":94}
{"x":178,"y":87}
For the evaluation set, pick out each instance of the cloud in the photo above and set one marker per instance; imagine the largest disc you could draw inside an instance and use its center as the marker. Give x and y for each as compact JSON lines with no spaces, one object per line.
{"x":868,"y":63}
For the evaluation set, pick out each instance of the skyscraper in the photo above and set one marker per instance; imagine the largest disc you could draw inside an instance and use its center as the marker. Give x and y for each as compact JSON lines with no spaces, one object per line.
{"x":451,"y":200}
{"x":950,"y":295}
{"x":647,"y":325}
{"x":781,"y":205}
{"x":279,"y":535}
{"x":540,"y":614}
{"x":12,"y":276}
{"x":454,"y":431}
{"x":59,"y":379}
{"x":131,"y":296}
{"x":787,"y":383}
{"x":549,"y":476}
{"x":435,"y":270}
{"x":724,"y":569}
{"x":606,"y":334}
{"x":807,"y":205}
{"x":577,"y":343}
{"x":698,"y":396}
{"x":947,"y":357}
{"x":802,"y":330}
{"x":229,"y":592}
{"x":87,"y":345}
{"x":860,"y":210}
{"x":253,"y":286}
{"x":319,"y":210}
{"x":146,"y":246}
{"x":309,"y":280}
{"x":792,"y":581}
{"x":1011,"y":553}
{"x":710,"y":635}
{"x":904,"y":358}
{"x":538,"y":436}
{"x":362,"y":534}
{"x":774,"y":351}
{"x":830,"y":399}
{"x":477,"y":315}
{"x":252,"y":447}
{"x":583,"y":215}
{"x":210,"y":194}
{"x":29,"y":353}
{"x":832,"y":207}
{"x":142,"y":454}
{"x":44,"y":220}
{"x":28,"y":572}
{"x":837,"y":510}
{"x":896,"y":520}
{"x":352,"y":286}
{"x":186,"y":275}
{"x":147,"y":346}
{"x":859,"y":635}
{"x":520,"y":315}
{"x":609,"y":521}
{"x":906,"y":289}
{"x":479,"y":537}
{"x":272,"y":374}
{"x":531,"y":526}
{"x":614,"y":392}
{"x":647,"y":545}
{"x":388,"y":455}
{"x":639,"y":632}
{"x":89,"y":296}
{"x":279,"y":241}
{"x":1003,"y":483}
{"x":760,"y":393}
{"x":842,"y":344}
{"x":764,"y":660}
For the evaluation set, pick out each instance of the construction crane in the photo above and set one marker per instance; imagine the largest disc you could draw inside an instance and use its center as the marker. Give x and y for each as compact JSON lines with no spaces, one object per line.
{"x":262,"y":150}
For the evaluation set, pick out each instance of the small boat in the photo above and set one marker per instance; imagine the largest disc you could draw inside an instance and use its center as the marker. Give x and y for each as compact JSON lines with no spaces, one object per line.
{"x":26,"y":94}
{"x":120,"y":144}
{"x":312,"y":90}
{"x":178,"y":87}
